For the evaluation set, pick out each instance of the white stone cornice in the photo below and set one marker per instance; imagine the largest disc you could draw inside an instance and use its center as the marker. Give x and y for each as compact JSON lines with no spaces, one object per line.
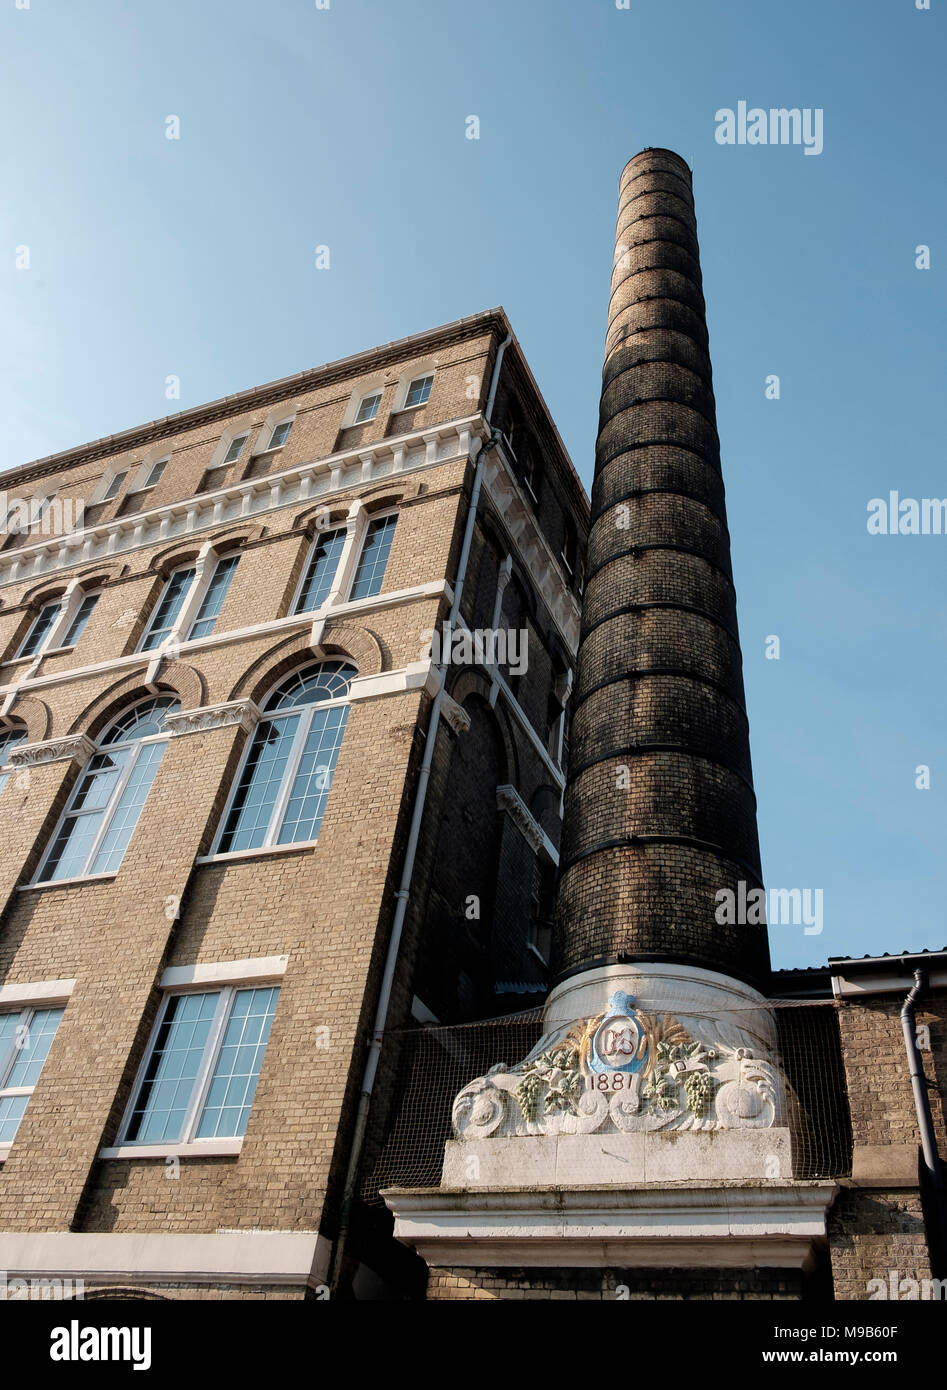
{"x":510,"y":801}
{"x":520,"y":522}
{"x":417,"y":449}
{"x":684,"y":1225}
{"x":416,"y":676}
{"x":243,"y":713}
{"x":77,"y":747}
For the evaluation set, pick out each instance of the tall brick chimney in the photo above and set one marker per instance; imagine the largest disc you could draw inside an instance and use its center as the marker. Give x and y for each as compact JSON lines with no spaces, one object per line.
{"x":659,"y":808}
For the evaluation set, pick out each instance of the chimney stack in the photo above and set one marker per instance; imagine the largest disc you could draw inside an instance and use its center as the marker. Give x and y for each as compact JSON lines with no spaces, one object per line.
{"x":660,"y":813}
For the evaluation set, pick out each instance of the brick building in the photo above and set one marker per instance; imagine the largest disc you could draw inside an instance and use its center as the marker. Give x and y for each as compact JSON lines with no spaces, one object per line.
{"x":282,"y":847}
{"x":247,"y":805}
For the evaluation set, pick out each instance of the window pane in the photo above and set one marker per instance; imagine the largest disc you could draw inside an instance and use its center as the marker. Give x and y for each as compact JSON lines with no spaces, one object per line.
{"x":114,"y":487}
{"x":321,"y":571}
{"x":173,"y":1067}
{"x":213,"y":601}
{"x":374,"y":557}
{"x":330,"y":680}
{"x":35,"y":1042}
{"x":232,"y":1087}
{"x":122,"y":824}
{"x":368,"y":408}
{"x":310,"y":789}
{"x":154,"y":477}
{"x":281,"y":434}
{"x":40,"y":630}
{"x":164,"y":616}
{"x":235,"y":449}
{"x":9,"y":739}
{"x":78,"y":624}
{"x":418,"y":391}
{"x":73,"y":843}
{"x":259,"y":785}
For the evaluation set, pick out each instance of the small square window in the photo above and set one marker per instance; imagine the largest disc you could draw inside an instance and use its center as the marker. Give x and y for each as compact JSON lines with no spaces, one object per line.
{"x":280,"y":435}
{"x":155,"y":475}
{"x":115,"y":486}
{"x":368,"y":408}
{"x":40,"y":628}
{"x":418,"y":391}
{"x":235,"y":449}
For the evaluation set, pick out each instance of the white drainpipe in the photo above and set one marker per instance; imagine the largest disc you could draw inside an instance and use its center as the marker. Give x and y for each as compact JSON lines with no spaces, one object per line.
{"x":403,"y":894}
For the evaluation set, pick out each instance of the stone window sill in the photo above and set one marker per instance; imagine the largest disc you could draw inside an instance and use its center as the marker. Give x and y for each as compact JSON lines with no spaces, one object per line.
{"x":238,"y":854}
{"x":64,"y":882}
{"x":196,"y":1148}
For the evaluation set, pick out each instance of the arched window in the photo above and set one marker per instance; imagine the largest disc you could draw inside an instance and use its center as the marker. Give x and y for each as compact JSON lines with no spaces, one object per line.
{"x":281,"y":792}
{"x":10,"y":738}
{"x":103,"y":811}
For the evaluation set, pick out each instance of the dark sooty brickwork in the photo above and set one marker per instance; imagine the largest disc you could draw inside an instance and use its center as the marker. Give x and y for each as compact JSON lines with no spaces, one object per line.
{"x":659,"y":810}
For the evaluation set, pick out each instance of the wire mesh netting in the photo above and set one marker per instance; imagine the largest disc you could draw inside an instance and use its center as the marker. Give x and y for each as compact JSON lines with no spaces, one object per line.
{"x":427,"y":1067}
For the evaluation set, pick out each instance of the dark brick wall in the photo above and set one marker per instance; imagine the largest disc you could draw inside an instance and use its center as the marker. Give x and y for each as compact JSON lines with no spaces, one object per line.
{"x":660,"y":812}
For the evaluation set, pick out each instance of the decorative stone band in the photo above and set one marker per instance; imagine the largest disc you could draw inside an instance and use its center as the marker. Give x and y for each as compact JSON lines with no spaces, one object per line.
{"x":78,"y":748}
{"x":509,"y":800}
{"x":686,"y":1051}
{"x":243,"y":713}
{"x":454,"y":439}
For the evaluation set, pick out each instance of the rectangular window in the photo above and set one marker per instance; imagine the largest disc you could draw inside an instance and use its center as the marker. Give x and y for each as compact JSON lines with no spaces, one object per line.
{"x":280,"y":435}
{"x":321,"y":571}
{"x":203,"y":1065}
{"x":115,"y":486}
{"x":167,"y":609}
{"x":9,"y":739}
{"x":155,"y":476}
{"x":418,"y":391}
{"x":78,"y":625}
{"x":213,"y":600}
{"x":25,"y":1039}
{"x":368,"y":408}
{"x":374,"y":557}
{"x":235,"y":449}
{"x":39,"y":629}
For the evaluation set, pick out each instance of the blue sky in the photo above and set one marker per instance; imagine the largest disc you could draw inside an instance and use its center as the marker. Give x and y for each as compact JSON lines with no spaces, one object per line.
{"x":346,"y":127}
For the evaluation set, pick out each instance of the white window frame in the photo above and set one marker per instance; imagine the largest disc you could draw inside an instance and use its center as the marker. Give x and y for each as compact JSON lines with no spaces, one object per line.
{"x":332,"y":596}
{"x":115,"y":484}
{"x":142,"y":481}
{"x":20,"y":654}
{"x":226,"y":987}
{"x":270,"y":844}
{"x":374,"y":395}
{"x":185,"y":602}
{"x":60,"y":628}
{"x":419,"y":376}
{"x":108,"y":814}
{"x":374,"y":387}
{"x":272,"y":448}
{"x":7,"y":769}
{"x":27,"y":1001}
{"x":204,"y":573}
{"x":225,"y":460}
{"x":407,"y":379}
{"x":365,"y":518}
